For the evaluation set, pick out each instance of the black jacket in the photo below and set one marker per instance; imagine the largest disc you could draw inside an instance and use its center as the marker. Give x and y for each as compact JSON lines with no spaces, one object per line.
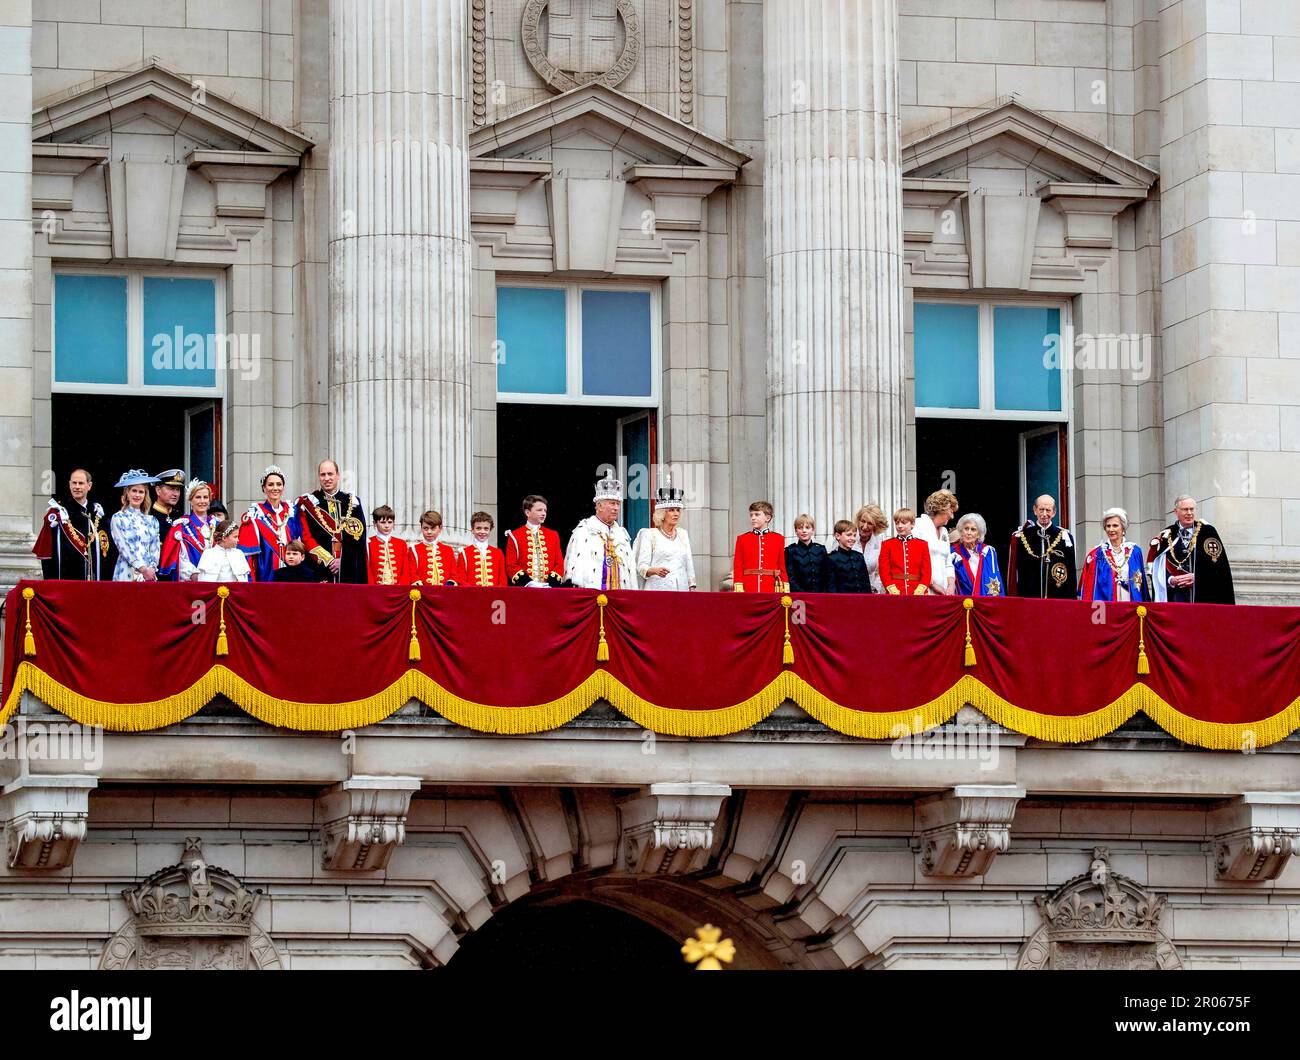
{"x":847,"y":572}
{"x":806,"y":565}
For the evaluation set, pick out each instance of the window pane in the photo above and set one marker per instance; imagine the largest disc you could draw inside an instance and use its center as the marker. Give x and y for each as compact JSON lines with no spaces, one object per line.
{"x":89,"y":329}
{"x":616,"y":343}
{"x":947,"y":355}
{"x":1042,"y":468}
{"x":181,"y":345}
{"x":1027,"y":358}
{"x":530,"y":340}
{"x":636,"y":473}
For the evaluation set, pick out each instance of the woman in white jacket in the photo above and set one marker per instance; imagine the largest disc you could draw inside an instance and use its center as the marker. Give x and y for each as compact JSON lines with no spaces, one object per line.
{"x":663,"y":552}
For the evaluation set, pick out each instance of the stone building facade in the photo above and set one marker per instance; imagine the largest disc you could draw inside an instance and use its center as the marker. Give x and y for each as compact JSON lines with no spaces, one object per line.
{"x":825,"y":254}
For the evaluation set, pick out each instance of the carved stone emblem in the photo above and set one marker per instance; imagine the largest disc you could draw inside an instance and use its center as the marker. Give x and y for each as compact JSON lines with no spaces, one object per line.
{"x":590,"y":45}
{"x":191,"y":915}
{"x":1100,"y":919}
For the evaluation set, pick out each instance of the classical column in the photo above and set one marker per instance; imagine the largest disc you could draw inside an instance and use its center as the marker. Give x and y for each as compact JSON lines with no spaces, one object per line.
{"x":400,"y":256}
{"x":25,"y":479}
{"x":834,"y":258}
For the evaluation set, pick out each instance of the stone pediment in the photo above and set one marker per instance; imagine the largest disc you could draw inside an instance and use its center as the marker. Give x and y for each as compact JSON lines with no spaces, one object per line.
{"x":157,"y":102}
{"x":1008,"y":133}
{"x":595,"y":117}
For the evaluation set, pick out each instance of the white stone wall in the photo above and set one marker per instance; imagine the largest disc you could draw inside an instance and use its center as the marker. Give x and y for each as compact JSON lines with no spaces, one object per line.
{"x":1230,"y":267}
{"x":242,"y":49}
{"x":16,"y":324}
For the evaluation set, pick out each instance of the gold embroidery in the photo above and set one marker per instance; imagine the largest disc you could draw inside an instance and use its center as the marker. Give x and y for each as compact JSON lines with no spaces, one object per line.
{"x":1213,"y":548}
{"x":1051,"y":546}
{"x":1059,"y":573}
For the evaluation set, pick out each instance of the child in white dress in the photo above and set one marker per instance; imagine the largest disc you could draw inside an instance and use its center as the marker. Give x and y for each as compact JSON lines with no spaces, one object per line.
{"x":224,"y":562}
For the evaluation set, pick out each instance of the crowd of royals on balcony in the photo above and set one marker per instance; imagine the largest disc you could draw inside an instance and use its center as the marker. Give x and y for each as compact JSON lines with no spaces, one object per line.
{"x":323,"y":537}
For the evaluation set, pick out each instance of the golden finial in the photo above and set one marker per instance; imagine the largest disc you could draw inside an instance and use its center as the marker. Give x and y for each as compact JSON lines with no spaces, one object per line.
{"x":705,"y":951}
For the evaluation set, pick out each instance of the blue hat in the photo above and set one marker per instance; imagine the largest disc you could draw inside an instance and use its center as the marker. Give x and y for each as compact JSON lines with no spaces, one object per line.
{"x":135,"y":478}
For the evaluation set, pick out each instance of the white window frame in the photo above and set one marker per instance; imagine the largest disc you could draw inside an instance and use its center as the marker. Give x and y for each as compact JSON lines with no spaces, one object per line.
{"x":987,"y":409}
{"x":135,"y":347}
{"x":573,"y":394}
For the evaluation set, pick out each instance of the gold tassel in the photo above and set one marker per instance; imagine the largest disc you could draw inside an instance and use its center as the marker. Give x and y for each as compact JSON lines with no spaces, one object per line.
{"x":969,"y":605}
{"x":413,"y":654}
{"x":1144,"y":667}
{"x":223,"y":646}
{"x":602,"y":648}
{"x":787,"y":651}
{"x":29,"y":640}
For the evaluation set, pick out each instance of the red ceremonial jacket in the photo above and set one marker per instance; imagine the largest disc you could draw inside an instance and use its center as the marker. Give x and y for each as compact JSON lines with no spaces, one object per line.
{"x":434,"y":564}
{"x":523,"y":566}
{"x":905,"y":566}
{"x":759,"y":565}
{"x":470,"y":570}
{"x":389,"y":562}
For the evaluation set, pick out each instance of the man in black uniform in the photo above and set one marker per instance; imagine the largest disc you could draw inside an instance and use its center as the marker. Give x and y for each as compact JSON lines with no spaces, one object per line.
{"x":334,"y":529}
{"x":1041,"y":563}
{"x":167,"y":496}
{"x":1188,"y":561}
{"x":73,"y":542}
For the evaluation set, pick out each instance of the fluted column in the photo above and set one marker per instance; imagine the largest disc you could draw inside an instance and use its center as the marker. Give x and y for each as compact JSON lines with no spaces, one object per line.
{"x":399,"y":384}
{"x":834,"y":257}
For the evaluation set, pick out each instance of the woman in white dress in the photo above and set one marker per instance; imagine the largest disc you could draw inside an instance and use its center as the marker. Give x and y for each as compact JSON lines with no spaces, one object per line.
{"x":663,"y":553}
{"x":872,"y":525}
{"x":135,"y":531}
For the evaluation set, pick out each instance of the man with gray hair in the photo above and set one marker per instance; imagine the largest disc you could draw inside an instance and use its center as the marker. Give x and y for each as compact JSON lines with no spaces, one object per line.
{"x":1188,"y":561}
{"x":1041,"y":563}
{"x":600,"y":552}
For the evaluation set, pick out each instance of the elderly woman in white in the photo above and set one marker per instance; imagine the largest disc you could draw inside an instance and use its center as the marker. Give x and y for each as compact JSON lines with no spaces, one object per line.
{"x":663,"y":552}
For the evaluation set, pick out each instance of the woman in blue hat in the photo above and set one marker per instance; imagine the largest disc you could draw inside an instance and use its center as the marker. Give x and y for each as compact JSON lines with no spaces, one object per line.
{"x":135,"y":531}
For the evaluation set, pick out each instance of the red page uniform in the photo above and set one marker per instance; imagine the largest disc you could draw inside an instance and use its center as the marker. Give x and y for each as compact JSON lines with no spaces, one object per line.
{"x":389,"y":561}
{"x":759,"y":566}
{"x":481,"y":566}
{"x":533,"y":555}
{"x":905,"y":566}
{"x":433,"y":563}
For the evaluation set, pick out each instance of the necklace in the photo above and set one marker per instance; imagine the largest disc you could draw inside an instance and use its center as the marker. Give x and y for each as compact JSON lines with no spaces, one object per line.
{"x":1120,"y":570}
{"x":1051,"y":547}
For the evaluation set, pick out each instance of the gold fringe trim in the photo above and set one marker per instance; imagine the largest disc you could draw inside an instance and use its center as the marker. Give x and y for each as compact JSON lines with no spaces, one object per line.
{"x":864,"y":724}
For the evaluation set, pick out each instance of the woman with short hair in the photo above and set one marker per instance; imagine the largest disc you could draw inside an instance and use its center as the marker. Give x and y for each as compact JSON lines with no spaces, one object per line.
{"x":135,"y":531}
{"x":663,"y":552}
{"x":872,"y":524}
{"x":940,"y":507}
{"x":1114,"y":570}
{"x":975,"y":564}
{"x":189,"y":536}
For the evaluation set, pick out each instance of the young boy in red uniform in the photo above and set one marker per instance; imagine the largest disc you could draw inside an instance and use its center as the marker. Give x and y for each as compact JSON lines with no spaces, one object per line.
{"x":904,"y":559}
{"x":533,"y":555}
{"x":388,"y":556}
{"x":759,"y":565}
{"x":480,"y":563}
{"x":432,"y":561}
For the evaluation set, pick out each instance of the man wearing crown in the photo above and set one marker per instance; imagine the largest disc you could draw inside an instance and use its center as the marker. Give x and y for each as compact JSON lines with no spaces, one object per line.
{"x":334,"y":529}
{"x":600,"y":552}
{"x":533,"y":556}
{"x":71,"y":544}
{"x":1188,"y":561}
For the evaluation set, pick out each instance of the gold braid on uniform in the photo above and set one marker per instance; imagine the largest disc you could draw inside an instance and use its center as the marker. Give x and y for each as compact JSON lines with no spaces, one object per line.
{"x":1051,"y":547}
